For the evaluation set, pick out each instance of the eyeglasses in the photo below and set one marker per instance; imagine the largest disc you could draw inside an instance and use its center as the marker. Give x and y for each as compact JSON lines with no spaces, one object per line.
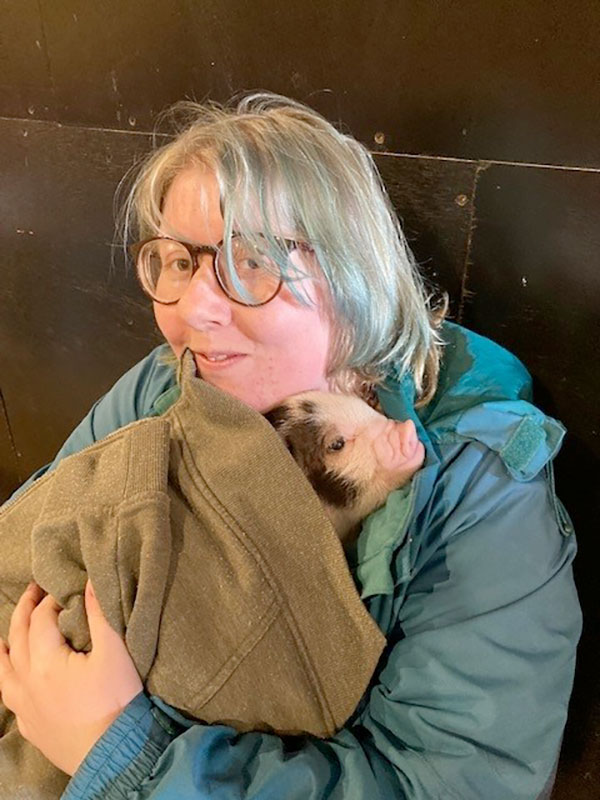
{"x":166,"y":266}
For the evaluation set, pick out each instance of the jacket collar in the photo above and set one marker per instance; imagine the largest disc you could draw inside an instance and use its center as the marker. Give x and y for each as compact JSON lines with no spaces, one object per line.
{"x":483,"y":395}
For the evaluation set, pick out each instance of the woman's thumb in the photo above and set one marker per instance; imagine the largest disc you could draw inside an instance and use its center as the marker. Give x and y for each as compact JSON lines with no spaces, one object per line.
{"x":99,"y":627}
{"x":110,"y":649}
{"x":90,"y":597}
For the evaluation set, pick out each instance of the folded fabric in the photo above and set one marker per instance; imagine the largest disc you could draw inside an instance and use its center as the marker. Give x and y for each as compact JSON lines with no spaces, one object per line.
{"x":210,"y":554}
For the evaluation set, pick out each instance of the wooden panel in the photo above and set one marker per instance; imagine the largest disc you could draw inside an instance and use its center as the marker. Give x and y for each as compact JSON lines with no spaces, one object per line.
{"x":503,"y":80}
{"x":9,"y":477}
{"x":26,"y":88}
{"x":433,"y":198}
{"x":70,"y":325}
{"x":536,"y":282}
{"x":577,"y":479}
{"x":536,"y":289}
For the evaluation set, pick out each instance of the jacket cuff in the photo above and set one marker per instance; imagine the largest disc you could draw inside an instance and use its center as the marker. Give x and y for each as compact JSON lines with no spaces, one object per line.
{"x":125,"y":754}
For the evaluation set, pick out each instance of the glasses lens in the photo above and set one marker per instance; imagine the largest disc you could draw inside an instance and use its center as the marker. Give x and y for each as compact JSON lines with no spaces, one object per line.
{"x":165,"y":268}
{"x":255,"y":278}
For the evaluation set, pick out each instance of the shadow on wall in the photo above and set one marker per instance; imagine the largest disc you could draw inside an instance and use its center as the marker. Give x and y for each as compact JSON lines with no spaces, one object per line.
{"x":577,"y":472}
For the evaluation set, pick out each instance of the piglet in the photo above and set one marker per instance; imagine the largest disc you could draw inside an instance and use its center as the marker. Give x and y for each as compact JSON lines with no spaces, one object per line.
{"x":352,"y":455}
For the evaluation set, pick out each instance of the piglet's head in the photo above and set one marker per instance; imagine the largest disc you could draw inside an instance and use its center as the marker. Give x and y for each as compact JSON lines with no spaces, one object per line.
{"x":352,"y":455}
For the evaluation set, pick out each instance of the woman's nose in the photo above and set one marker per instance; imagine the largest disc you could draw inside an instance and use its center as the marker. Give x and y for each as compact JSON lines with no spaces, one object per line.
{"x":203,"y":302}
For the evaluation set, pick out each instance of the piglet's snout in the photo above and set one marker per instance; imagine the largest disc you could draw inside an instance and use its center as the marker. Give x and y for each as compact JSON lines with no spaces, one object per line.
{"x":397,"y":445}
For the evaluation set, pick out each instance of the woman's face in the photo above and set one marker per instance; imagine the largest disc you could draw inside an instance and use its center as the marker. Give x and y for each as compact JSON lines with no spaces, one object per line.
{"x":274,"y":350}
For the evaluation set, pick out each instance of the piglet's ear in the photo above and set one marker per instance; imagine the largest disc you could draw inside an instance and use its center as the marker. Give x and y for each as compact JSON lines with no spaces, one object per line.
{"x":277,"y":416}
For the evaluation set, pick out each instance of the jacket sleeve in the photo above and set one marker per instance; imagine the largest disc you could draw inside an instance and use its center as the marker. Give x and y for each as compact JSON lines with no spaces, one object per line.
{"x":129,"y":399}
{"x":471,"y":696}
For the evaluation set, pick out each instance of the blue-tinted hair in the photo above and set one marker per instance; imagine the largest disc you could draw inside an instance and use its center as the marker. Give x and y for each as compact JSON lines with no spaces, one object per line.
{"x":283,"y":168}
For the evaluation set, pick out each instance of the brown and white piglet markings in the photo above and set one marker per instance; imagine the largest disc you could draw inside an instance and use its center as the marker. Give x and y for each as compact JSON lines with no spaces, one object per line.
{"x":352,"y":455}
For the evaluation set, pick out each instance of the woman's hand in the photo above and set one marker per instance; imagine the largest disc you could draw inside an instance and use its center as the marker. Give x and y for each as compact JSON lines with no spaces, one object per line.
{"x":63,"y":700}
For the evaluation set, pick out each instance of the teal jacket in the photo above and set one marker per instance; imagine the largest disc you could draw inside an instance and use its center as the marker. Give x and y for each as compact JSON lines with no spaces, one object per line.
{"x":467,"y":572}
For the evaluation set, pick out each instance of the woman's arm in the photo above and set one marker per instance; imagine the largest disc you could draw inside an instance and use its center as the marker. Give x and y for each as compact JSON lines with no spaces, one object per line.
{"x":469,"y":702}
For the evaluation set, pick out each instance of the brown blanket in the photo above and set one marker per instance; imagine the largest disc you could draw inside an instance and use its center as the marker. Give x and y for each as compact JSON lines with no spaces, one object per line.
{"x":210,"y":554}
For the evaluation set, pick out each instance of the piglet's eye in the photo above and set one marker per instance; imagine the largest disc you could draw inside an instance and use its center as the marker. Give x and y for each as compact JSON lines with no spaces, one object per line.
{"x":337,"y":444}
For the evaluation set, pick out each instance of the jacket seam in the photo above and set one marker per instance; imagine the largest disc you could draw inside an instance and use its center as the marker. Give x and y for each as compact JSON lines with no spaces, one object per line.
{"x":117,"y":547}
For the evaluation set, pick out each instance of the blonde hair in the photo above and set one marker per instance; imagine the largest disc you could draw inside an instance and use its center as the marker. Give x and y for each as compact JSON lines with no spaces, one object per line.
{"x":279,"y":157}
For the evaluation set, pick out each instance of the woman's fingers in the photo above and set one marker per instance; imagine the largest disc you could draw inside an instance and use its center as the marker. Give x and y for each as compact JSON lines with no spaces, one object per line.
{"x":118,"y":676}
{"x":18,"y":633}
{"x":7,"y":682}
{"x":44,"y":634}
{"x":63,"y":700}
{"x":102,"y":635}
{"x":98,"y":625}
{"x":5,"y":665}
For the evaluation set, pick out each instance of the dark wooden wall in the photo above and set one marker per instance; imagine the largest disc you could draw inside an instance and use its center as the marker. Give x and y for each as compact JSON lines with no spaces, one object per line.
{"x":484,"y":120}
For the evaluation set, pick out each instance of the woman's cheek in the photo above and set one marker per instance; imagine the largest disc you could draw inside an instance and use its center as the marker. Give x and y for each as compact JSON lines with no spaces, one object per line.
{"x":169,"y":326}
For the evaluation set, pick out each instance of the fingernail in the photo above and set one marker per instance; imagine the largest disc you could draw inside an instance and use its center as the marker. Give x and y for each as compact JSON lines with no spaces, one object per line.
{"x":31,"y":587}
{"x":90,"y":588}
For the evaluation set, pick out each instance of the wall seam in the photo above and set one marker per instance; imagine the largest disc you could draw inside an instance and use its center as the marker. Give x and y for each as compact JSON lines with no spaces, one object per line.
{"x":492,"y":161}
{"x":480,"y":161}
{"x":465,"y":293}
{"x":11,"y":438}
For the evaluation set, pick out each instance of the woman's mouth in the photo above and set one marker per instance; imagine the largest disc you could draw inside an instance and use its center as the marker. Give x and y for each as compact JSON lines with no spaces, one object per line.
{"x":217,"y":360}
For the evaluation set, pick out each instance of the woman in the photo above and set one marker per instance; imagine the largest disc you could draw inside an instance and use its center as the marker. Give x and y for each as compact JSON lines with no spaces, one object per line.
{"x":270,"y":250}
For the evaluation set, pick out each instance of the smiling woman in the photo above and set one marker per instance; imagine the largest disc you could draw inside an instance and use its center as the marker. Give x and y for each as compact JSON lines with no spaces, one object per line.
{"x":270,"y":251}
{"x":245,"y":350}
{"x":273,"y":171}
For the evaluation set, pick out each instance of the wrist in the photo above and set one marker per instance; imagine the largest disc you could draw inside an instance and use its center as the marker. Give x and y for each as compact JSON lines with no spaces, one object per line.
{"x":125,"y":754}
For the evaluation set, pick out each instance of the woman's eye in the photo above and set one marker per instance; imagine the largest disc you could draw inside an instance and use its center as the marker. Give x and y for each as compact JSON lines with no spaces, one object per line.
{"x":251,"y":264}
{"x":337,"y":444}
{"x":180,"y":265}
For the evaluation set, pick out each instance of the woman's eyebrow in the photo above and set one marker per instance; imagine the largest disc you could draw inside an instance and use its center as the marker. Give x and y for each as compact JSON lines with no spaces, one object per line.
{"x":171,"y":244}
{"x":170,"y":233}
